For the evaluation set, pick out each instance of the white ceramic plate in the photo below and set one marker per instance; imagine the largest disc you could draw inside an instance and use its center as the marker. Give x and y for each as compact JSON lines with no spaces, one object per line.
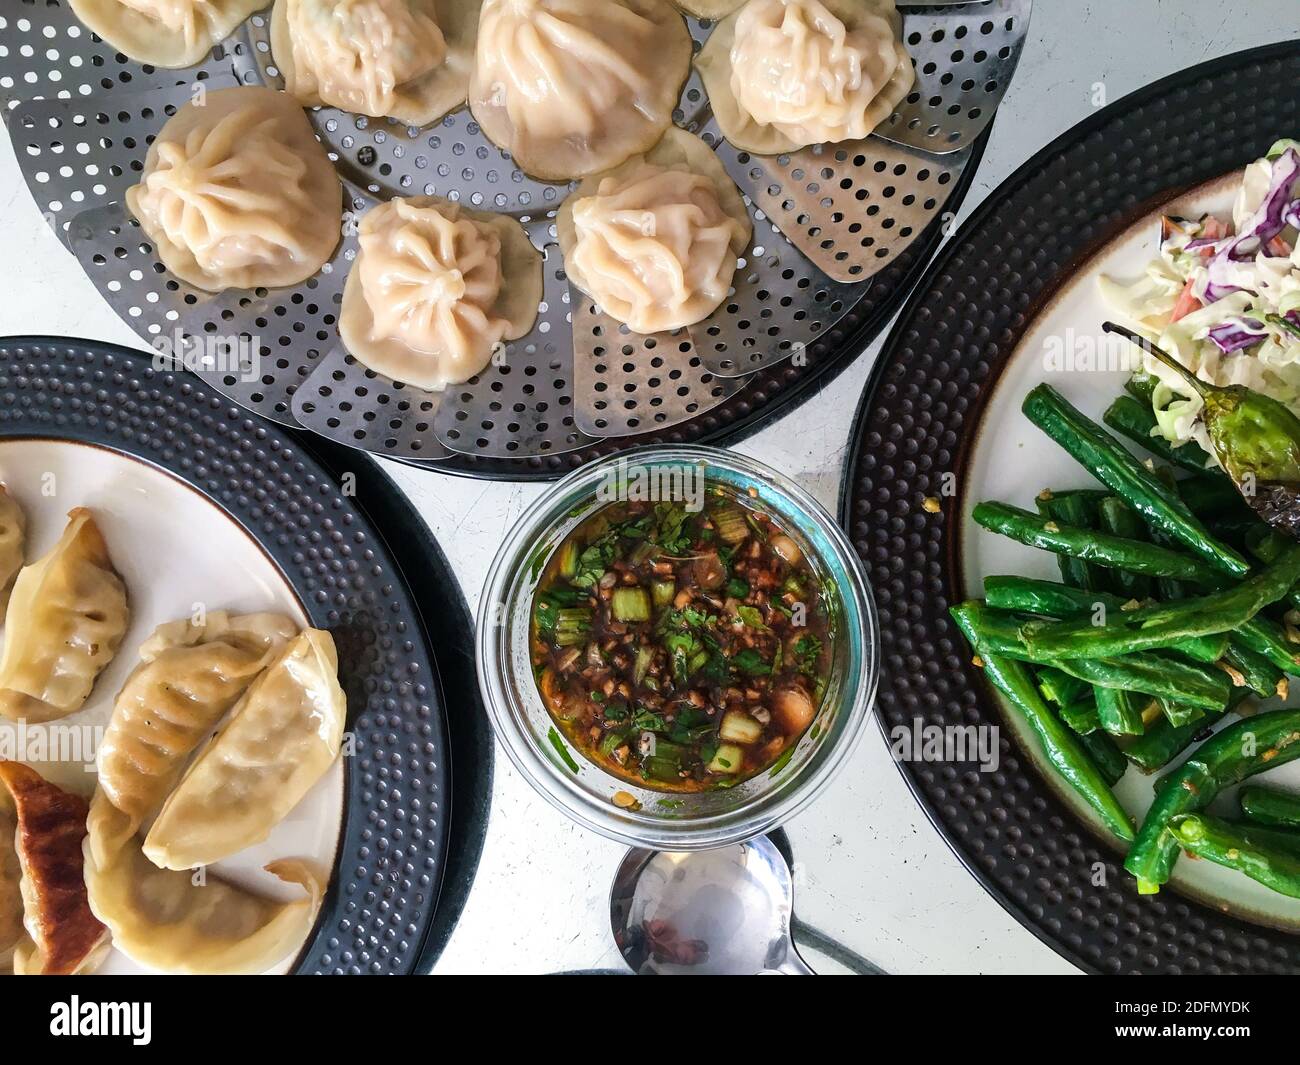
{"x":1013,"y":461}
{"x":175,"y":549}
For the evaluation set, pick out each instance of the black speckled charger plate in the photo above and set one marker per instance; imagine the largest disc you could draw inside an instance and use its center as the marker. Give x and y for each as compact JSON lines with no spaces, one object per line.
{"x":382,"y":912}
{"x":919,"y":418}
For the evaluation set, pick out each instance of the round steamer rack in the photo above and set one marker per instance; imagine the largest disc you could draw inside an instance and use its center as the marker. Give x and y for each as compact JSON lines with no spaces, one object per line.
{"x":840,"y":231}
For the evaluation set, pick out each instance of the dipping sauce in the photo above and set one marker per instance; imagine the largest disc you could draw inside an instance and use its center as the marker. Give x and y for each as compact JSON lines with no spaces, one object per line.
{"x":682,"y":650}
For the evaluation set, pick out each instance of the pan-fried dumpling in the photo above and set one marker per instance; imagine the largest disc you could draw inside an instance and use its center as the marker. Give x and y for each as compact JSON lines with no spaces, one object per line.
{"x":403,"y":59}
{"x":570,"y":87}
{"x":655,"y":241}
{"x":164,"y":920}
{"x":11,"y":897}
{"x":282,"y":737}
{"x":13,"y":539}
{"x":65,"y":937}
{"x":190,"y":677}
{"x":784,"y":74}
{"x":164,"y":33}
{"x":66,"y":619}
{"x":435,"y":288}
{"x":238,"y":193}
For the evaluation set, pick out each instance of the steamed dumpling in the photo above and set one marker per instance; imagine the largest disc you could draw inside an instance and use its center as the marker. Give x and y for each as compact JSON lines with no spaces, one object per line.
{"x":61,"y":936}
{"x":403,"y":59}
{"x":281,"y":738}
{"x":13,"y":540}
{"x":66,"y":619}
{"x":190,"y":677}
{"x":164,"y":33}
{"x":654,"y":242}
{"x":571,"y":87}
{"x":784,"y":74}
{"x":164,"y":920}
{"x":238,"y":193}
{"x":435,"y":288}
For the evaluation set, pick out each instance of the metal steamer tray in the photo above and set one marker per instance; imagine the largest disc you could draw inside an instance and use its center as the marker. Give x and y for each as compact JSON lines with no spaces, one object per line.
{"x":840,"y":231}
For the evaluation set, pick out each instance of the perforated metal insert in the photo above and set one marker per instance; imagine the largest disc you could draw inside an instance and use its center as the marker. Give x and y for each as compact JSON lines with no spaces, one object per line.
{"x":964,"y":58}
{"x":80,"y":152}
{"x":633,"y":382}
{"x":853,"y":205}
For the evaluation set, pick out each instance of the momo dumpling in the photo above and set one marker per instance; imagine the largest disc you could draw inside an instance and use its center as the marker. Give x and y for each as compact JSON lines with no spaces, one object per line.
{"x":61,"y":935}
{"x":13,"y":540}
{"x":784,"y":74}
{"x":435,"y":288}
{"x":190,"y":677}
{"x":655,"y":241}
{"x":164,"y":33}
{"x":281,"y":738}
{"x":238,"y":193}
{"x":403,"y":59}
{"x":571,"y":87}
{"x":173,"y":922}
{"x":66,"y":619}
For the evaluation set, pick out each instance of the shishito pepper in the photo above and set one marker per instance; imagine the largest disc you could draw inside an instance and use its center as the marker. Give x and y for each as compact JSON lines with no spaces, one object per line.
{"x":1255,"y":438}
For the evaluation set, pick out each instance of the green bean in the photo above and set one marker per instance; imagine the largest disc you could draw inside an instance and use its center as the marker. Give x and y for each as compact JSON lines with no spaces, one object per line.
{"x":1081,"y":716}
{"x":1237,"y":847}
{"x":1158,"y":675}
{"x":1163,"y":742}
{"x":1059,"y":745}
{"x":1135,"y":420}
{"x":1255,"y":669}
{"x":1061,"y":688}
{"x":1180,"y":714}
{"x":1078,"y":511}
{"x":1159,"y":626}
{"x":1267,"y":806}
{"x":1119,"y":712}
{"x":1263,"y":741}
{"x":1058,"y":601}
{"x":1105,"y":755}
{"x":1103,"y":456}
{"x":1102,"y":548}
{"x":1115,"y":517}
{"x":1266,"y":545}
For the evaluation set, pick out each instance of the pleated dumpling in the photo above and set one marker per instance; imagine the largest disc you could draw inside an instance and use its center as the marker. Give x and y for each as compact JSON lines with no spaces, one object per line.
{"x":166,"y":921}
{"x":62,"y":936}
{"x":164,"y":33}
{"x":572,"y":87}
{"x":190,"y":677}
{"x":784,"y":74}
{"x":280,"y":740}
{"x":66,"y":619}
{"x":11,"y":896}
{"x":13,"y":541}
{"x":403,"y":59}
{"x":435,"y":288}
{"x":655,"y":241}
{"x":238,"y":193}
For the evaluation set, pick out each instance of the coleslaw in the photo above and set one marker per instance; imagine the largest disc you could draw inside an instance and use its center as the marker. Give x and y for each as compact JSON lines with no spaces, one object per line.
{"x":1223,"y":297}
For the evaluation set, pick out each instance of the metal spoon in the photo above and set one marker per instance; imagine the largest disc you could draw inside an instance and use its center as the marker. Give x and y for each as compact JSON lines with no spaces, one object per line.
{"x":717,"y":912}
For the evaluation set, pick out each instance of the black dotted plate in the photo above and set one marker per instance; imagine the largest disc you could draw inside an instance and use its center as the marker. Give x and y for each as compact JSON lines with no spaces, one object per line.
{"x":918,"y":421}
{"x":380,"y":908}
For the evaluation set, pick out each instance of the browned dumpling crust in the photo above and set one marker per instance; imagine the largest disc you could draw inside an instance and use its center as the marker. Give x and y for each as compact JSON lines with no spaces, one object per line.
{"x":404,"y":59}
{"x":785,"y":74}
{"x":573,"y":87}
{"x":237,"y":192}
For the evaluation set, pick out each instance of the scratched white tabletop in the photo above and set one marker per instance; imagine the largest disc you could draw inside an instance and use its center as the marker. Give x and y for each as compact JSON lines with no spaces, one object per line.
{"x":872,"y":874}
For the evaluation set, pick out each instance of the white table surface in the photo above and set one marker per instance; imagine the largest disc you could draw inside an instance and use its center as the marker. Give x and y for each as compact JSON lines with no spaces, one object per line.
{"x":873,"y":873}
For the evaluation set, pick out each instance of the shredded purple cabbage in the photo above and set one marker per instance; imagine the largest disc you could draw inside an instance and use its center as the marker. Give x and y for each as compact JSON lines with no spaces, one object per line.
{"x":1237,"y":333}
